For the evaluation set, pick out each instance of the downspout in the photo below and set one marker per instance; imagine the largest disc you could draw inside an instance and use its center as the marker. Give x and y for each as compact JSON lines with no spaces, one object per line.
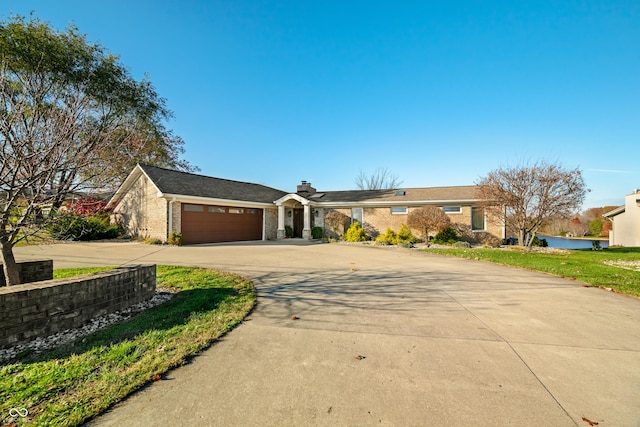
{"x":264,"y":224}
{"x":170,"y":216}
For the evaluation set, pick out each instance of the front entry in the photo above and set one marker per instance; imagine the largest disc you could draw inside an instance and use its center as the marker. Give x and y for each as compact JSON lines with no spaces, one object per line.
{"x":298,"y":222}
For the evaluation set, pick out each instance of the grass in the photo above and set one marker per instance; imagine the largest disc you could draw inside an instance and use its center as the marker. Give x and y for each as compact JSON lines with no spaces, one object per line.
{"x":584,"y":265}
{"x":68,"y":386}
{"x":70,"y":272}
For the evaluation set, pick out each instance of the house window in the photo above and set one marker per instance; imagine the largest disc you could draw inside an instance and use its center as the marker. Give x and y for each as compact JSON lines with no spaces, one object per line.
{"x":452,"y":209}
{"x":236,"y":210}
{"x":216,"y":209}
{"x":399,"y":210}
{"x":253,"y":211}
{"x":193,"y":208}
{"x":477,"y":219}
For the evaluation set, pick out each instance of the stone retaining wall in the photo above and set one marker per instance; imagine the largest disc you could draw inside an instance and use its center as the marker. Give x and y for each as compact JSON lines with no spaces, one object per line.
{"x":38,"y":309}
{"x":32,"y":271}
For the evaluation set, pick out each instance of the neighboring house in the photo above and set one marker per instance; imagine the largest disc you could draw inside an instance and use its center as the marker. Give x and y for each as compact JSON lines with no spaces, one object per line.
{"x":154,"y":201}
{"x":625,"y":222}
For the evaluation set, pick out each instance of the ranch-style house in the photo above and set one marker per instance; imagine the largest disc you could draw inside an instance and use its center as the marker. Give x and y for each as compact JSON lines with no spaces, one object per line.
{"x":152,"y":202}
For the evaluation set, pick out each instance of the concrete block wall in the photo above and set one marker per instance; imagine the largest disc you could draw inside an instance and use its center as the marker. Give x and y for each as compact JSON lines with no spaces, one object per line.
{"x":31,"y":271}
{"x":31,"y":310}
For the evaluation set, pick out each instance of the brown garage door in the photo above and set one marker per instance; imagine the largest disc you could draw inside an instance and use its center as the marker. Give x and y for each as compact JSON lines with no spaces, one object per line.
{"x":212,"y":224}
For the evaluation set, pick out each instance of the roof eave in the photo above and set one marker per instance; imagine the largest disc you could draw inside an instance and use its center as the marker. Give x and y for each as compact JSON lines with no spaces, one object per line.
{"x":385,"y":203}
{"x":614,"y":212}
{"x":124,"y":187}
{"x":213,"y":201}
{"x":128,"y":182}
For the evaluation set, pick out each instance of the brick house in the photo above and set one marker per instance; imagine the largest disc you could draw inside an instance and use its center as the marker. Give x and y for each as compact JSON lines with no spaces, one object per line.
{"x":154,"y":201}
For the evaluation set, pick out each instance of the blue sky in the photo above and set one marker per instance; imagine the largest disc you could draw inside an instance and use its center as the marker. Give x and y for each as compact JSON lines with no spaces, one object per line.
{"x":437,"y":92}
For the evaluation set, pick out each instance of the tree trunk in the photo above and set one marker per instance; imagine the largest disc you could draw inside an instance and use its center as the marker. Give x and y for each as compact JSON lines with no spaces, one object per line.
{"x":521,"y":238}
{"x":11,"y":274}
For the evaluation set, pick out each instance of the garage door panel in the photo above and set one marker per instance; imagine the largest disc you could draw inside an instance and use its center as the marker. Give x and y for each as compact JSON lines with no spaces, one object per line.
{"x":209,"y":226}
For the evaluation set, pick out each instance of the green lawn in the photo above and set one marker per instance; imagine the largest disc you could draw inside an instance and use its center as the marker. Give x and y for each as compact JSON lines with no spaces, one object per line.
{"x":69,"y":386}
{"x":584,"y":265}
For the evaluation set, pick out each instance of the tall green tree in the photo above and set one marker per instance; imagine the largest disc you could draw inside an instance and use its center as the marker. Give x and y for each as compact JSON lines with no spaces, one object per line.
{"x":72,"y":118}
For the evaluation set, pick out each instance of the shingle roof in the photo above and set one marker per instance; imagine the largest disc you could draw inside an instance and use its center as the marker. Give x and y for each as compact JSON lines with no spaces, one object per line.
{"x":189,"y":184}
{"x":457,"y":193}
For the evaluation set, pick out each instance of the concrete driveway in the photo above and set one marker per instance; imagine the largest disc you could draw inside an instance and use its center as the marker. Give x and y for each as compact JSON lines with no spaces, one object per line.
{"x":442,"y":341}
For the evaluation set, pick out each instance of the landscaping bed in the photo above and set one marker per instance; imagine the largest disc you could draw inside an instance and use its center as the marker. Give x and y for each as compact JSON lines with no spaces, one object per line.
{"x":69,"y":385}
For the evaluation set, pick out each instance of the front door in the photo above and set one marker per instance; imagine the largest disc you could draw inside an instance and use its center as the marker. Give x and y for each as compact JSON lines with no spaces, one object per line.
{"x":298,"y":222}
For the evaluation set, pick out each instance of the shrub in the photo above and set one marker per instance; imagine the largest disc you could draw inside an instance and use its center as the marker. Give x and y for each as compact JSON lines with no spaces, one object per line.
{"x":448,"y":236}
{"x":70,"y":226}
{"x":288,"y":231}
{"x":382,"y":241}
{"x":316,"y":232}
{"x":540,"y":242}
{"x":404,"y":235}
{"x":355,"y":233}
{"x":387,"y":238}
{"x":428,"y":219}
{"x":175,"y":238}
{"x":405,"y":245}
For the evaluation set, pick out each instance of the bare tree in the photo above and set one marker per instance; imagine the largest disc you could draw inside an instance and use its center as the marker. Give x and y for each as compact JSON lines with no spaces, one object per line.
{"x":528,"y":196}
{"x":578,"y":227}
{"x":64,"y":103}
{"x":380,"y":179}
{"x":427,"y":219}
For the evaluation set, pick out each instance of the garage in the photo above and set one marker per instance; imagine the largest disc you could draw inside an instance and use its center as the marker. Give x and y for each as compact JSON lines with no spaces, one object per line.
{"x":214,"y":224}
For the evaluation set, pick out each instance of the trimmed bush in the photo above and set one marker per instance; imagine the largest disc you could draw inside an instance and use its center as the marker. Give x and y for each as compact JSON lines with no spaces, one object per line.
{"x":316,"y":232}
{"x":387,"y":238}
{"x":448,"y":236}
{"x":405,"y":235}
{"x":355,"y":233}
{"x":288,"y":231}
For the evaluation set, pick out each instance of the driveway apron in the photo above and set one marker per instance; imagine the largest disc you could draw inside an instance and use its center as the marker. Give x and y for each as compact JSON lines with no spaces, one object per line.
{"x":351,"y":335}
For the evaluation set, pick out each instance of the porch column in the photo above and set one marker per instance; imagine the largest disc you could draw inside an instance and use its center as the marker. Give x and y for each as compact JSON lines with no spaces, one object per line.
{"x":280,"y":234}
{"x":306,"y":231}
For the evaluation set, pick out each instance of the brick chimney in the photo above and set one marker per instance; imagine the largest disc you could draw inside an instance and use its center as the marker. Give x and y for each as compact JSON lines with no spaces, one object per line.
{"x":305,"y":188}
